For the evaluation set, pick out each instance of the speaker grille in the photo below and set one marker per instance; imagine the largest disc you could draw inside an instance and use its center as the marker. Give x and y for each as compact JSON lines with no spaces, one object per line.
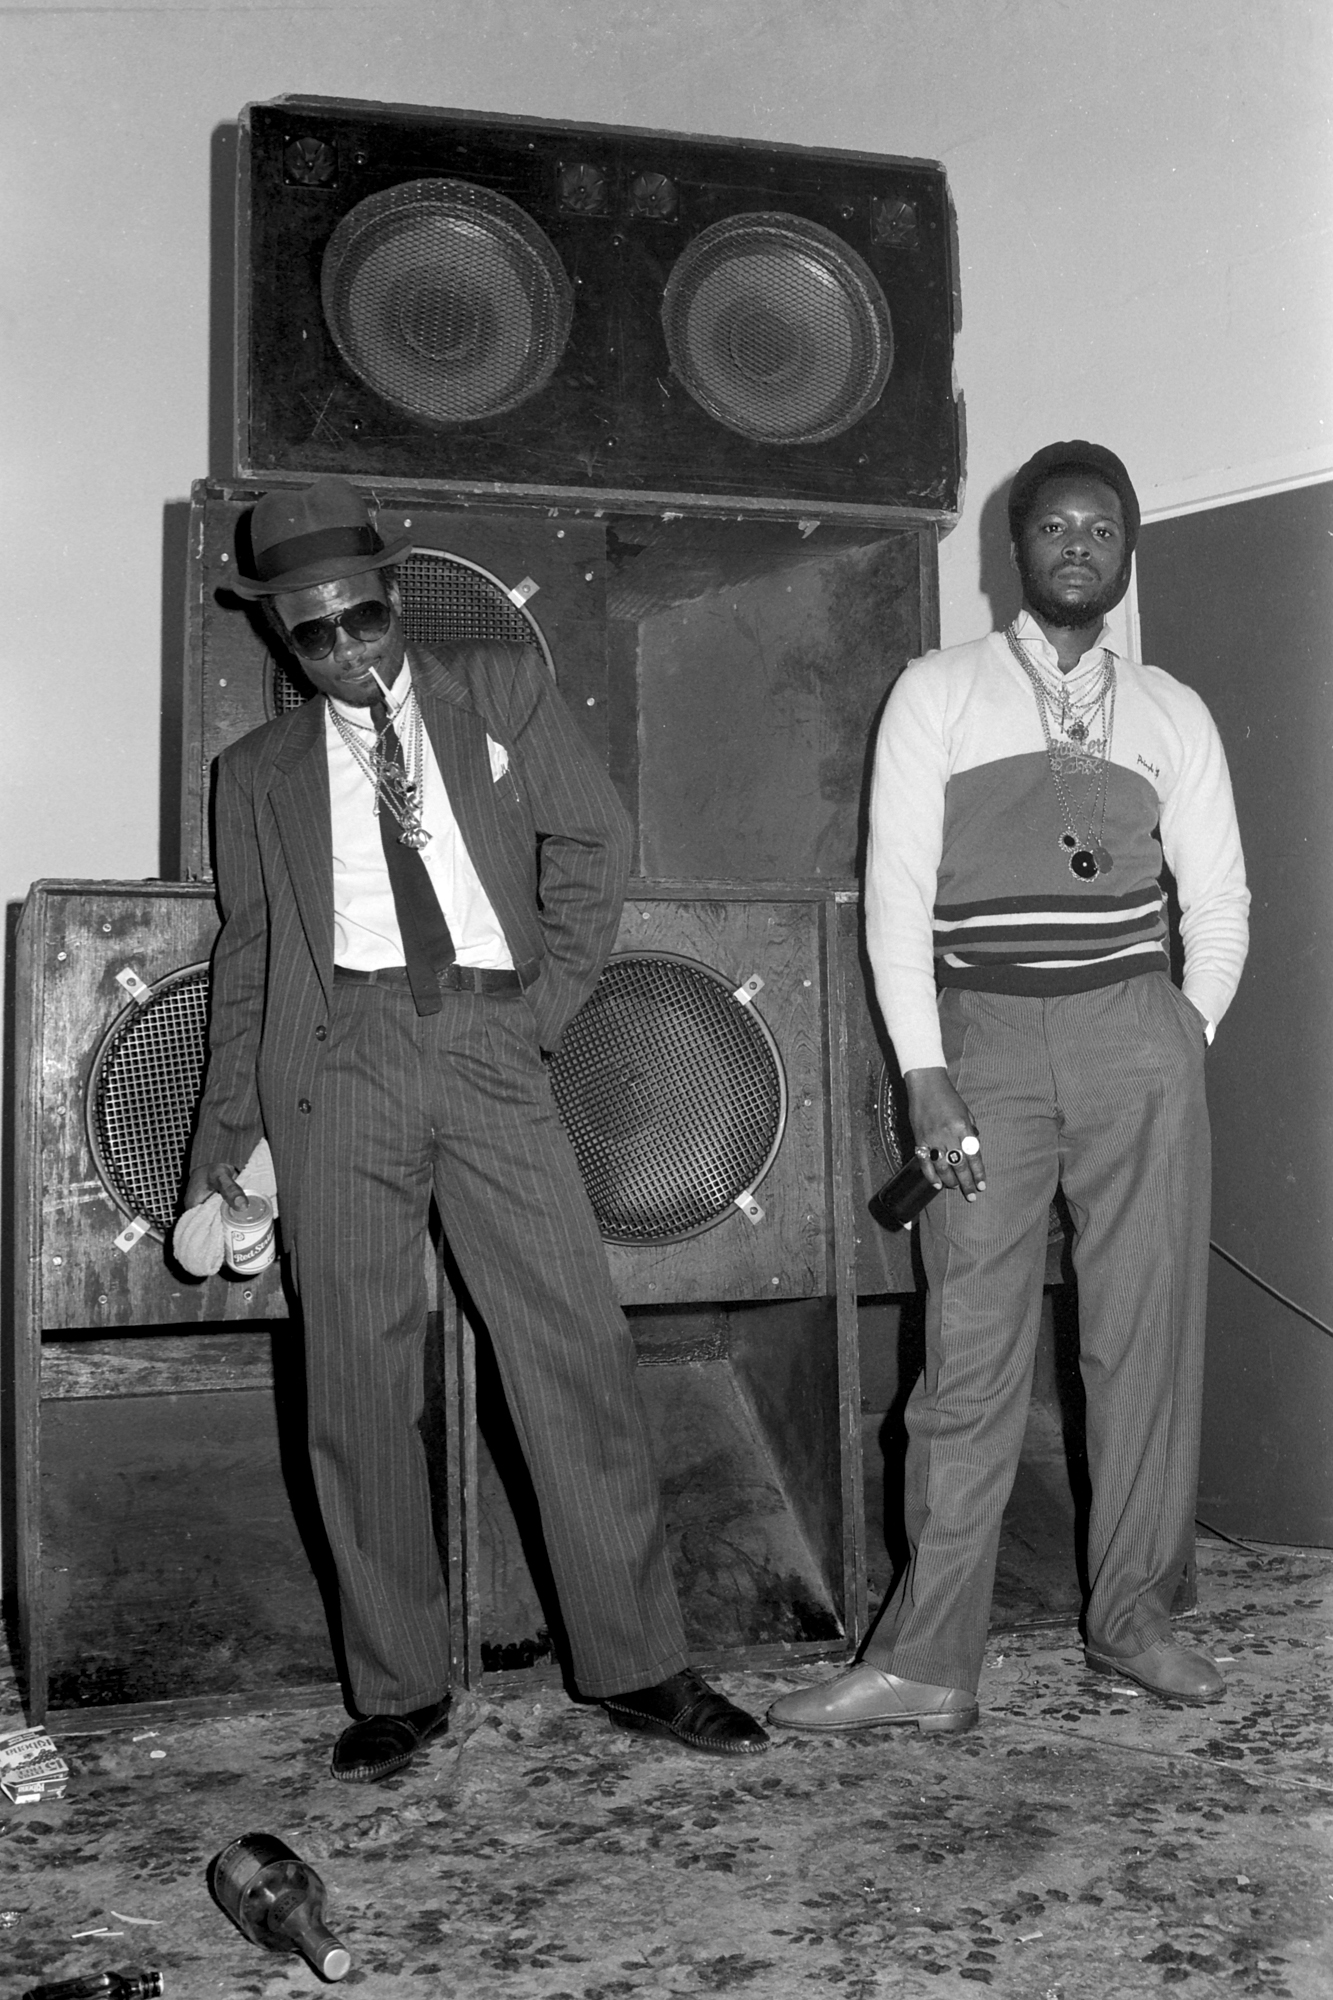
{"x":444,"y":597}
{"x":673,"y":1094}
{"x":895,"y":1131}
{"x":778,"y":328}
{"x":142,"y":1092}
{"x":446,"y":299}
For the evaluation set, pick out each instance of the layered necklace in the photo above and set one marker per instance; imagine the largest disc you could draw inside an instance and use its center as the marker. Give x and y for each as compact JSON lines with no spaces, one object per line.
{"x":394,"y":769}
{"x":1077,"y":729}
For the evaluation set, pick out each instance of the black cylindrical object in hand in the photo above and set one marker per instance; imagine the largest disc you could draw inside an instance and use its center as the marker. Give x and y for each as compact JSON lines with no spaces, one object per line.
{"x":277,"y":1900}
{"x":898,"y":1203}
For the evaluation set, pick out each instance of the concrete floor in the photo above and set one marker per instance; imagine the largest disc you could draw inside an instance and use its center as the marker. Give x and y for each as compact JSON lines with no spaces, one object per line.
{"x":1084,"y":1843}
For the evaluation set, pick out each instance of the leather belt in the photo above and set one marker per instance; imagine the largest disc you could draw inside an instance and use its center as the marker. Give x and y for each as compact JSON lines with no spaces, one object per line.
{"x":449,"y":978}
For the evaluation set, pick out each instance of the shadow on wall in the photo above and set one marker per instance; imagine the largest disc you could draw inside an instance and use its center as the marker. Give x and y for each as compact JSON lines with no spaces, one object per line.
{"x":998,"y":579}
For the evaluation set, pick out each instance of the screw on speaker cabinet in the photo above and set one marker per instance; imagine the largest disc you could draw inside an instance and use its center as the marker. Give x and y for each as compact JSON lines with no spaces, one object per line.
{"x":457,"y":302}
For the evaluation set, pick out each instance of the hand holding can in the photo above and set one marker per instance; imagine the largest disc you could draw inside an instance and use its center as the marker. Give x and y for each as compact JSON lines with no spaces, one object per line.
{"x":247,"y":1228}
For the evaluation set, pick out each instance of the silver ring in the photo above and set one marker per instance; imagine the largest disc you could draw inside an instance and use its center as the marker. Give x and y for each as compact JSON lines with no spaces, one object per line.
{"x":954,"y":1157}
{"x":971,"y":1144}
{"x":923,"y":1152}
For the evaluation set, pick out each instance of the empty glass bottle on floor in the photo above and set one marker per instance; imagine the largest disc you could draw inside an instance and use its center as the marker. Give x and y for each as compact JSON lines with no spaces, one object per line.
{"x":100,"y":1986}
{"x":277,"y":1900}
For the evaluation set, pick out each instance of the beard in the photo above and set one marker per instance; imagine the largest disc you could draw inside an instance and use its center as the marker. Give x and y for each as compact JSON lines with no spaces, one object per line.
{"x":1068,"y":617}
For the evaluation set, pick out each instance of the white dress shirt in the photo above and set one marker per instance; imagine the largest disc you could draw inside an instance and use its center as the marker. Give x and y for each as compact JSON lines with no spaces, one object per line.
{"x":365,"y":924}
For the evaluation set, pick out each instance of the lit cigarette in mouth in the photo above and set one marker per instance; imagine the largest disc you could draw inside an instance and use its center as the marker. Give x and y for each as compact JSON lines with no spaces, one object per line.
{"x":389,"y":701}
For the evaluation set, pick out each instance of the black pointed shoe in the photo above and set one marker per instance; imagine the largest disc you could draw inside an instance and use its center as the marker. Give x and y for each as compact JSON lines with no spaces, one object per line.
{"x":379,"y":1745}
{"x":686,"y":1708}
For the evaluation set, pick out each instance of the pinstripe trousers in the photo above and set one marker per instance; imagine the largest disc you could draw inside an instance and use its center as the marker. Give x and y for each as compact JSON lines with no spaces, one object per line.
{"x":1103,"y":1092}
{"x":459,"y":1103}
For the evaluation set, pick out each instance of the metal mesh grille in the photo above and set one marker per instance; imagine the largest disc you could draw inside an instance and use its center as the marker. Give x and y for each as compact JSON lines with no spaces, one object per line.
{"x":444,"y":597}
{"x":778,"y":328}
{"x":446,"y":299}
{"x":673,"y":1094}
{"x":142,"y":1093}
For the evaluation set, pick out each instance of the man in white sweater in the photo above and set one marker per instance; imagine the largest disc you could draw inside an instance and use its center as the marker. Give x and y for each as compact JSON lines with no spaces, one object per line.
{"x":1027,"y":790}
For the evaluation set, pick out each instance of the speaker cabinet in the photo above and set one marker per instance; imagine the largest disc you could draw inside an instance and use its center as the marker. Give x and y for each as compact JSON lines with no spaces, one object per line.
{"x":694,"y":1085}
{"x":727,"y":673}
{"x":502,"y":306}
{"x":169,"y":1544}
{"x":111,"y":1005}
{"x":130,"y":1524}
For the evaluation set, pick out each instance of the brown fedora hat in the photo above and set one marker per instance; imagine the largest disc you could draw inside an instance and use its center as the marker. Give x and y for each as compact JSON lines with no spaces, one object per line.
{"x":316,"y":534}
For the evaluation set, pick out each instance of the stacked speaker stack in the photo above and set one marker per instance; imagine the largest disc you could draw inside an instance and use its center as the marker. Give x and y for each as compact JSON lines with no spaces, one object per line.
{"x":680,"y":413}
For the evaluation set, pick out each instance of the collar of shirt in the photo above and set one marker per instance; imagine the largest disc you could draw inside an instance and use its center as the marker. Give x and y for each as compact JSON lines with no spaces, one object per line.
{"x":1045,"y":658}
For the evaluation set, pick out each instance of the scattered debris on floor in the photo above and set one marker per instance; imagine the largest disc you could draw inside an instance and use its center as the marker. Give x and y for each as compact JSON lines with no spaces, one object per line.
{"x":1085,"y":1842}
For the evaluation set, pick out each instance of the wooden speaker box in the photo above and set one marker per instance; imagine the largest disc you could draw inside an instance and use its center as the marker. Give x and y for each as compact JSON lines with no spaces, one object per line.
{"x":507,"y":307}
{"x":152,"y":1510}
{"x":168,"y":1539}
{"x":727,"y":673}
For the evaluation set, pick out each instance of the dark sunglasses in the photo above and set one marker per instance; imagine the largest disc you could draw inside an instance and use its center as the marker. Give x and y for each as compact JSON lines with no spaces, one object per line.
{"x":317,"y":637}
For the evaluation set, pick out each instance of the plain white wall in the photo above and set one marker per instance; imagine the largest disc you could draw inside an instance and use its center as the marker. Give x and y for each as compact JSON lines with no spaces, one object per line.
{"x":1143,"y":193}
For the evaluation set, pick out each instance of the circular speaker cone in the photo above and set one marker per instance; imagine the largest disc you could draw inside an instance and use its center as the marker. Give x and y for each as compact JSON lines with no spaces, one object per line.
{"x":444,"y":597}
{"x":446,"y":299}
{"x":778,"y":328}
{"x":142,"y":1091}
{"x":673,"y":1094}
{"x":895,"y":1131}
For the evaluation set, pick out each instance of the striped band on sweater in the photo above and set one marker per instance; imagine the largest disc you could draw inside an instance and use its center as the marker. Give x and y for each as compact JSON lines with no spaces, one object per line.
{"x":1042,"y":943}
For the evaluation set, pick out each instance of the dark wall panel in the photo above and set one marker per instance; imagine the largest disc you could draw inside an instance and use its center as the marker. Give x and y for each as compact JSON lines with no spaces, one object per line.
{"x":1238,"y":602}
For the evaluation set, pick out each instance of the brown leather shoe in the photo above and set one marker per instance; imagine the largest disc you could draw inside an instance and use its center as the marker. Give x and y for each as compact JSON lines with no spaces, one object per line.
{"x":379,"y":1745}
{"x":865,"y":1698}
{"x":1173,"y":1672}
{"x":694,"y":1713}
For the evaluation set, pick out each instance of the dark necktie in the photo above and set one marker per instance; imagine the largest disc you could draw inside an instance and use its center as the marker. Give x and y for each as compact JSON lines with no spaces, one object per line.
{"x":427,"y":944}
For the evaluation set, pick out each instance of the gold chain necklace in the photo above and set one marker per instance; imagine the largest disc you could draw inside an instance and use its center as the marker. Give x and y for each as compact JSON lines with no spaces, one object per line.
{"x":389,"y":776}
{"x":1089,"y":755}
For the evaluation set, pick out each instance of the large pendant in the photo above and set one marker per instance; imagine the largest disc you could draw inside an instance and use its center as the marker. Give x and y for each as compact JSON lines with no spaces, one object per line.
{"x":1078,"y":730}
{"x":1102,"y":858}
{"x":413,"y":836}
{"x":1083,"y":863}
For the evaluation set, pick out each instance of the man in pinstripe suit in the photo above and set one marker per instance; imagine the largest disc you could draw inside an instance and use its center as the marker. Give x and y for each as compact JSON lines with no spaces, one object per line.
{"x":420,"y":876}
{"x":1027,"y":790}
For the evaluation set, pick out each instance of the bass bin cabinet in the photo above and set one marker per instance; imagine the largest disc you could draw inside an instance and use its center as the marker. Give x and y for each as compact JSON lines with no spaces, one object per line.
{"x":169,"y":1546}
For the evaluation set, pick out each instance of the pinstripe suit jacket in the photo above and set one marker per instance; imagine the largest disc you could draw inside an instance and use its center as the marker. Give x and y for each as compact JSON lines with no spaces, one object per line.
{"x":273,"y":961}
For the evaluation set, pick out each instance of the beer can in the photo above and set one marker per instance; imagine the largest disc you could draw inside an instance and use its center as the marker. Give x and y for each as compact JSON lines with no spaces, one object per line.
{"x":247,"y":1227}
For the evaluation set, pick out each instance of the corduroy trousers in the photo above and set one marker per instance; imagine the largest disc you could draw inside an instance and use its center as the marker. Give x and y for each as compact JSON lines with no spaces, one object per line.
{"x":1103,"y":1093}
{"x":458,"y":1103}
